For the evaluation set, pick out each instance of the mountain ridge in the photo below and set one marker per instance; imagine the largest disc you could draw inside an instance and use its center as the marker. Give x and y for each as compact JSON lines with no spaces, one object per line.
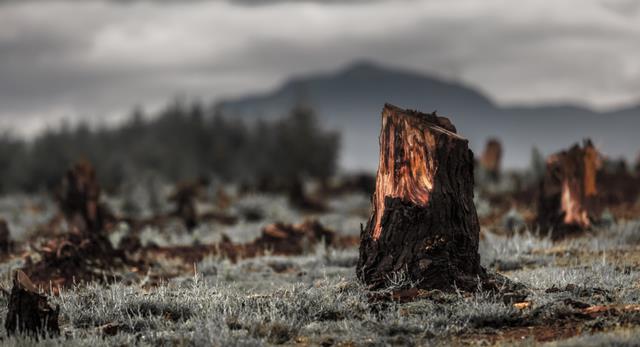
{"x":349,"y":98}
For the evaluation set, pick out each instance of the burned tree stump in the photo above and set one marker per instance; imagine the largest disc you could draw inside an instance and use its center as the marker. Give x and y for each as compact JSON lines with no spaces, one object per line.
{"x":184,"y":196}
{"x":424,"y":222}
{"x":29,"y":313}
{"x":491,"y":159}
{"x":85,"y":252}
{"x":79,"y":199}
{"x":5,"y":237}
{"x":568,"y":199}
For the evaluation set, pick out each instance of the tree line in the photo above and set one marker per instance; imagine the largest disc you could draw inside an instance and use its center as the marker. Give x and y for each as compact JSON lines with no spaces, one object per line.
{"x":180,"y":142}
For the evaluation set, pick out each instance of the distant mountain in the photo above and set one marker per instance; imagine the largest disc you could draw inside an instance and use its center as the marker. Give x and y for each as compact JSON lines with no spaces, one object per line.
{"x":351,"y":101}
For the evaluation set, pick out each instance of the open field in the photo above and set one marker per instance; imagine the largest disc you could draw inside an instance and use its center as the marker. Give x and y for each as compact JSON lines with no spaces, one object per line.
{"x":580,"y":291}
{"x":319,"y":173}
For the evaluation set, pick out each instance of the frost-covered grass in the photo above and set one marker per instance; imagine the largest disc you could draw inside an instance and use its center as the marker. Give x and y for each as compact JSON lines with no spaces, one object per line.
{"x":517,"y":248}
{"x":23,"y":213}
{"x":315,"y":299}
{"x":310,"y":299}
{"x":249,"y":304}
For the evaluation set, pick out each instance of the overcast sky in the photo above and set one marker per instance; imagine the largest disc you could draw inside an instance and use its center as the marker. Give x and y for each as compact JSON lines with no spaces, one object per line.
{"x":97,"y":59}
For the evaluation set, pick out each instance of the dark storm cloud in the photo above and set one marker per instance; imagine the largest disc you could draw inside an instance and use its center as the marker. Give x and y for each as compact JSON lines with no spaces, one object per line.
{"x":98,"y":58}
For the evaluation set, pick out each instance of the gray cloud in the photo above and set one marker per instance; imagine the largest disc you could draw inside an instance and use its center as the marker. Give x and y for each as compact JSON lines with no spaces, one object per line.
{"x":97,"y":59}
{"x":238,"y":2}
{"x":625,"y":8}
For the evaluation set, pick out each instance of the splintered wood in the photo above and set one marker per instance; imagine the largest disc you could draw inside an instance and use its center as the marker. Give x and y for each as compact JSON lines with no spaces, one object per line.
{"x":492,"y":158}
{"x":424,"y":222}
{"x":569,"y":196}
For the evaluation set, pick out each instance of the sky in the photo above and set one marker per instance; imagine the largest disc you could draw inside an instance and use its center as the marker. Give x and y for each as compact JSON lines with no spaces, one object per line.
{"x":96,"y":60}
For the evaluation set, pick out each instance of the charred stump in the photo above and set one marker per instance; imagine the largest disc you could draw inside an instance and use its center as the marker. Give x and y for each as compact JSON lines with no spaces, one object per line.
{"x":5,"y":238}
{"x":569,"y":198}
{"x":79,"y":199}
{"x":491,"y":159}
{"x":85,"y":252}
{"x":29,"y":313}
{"x":184,"y":196}
{"x":424,"y":222}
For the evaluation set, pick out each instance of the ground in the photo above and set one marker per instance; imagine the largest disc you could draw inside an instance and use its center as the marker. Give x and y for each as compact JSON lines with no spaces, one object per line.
{"x":580,"y":291}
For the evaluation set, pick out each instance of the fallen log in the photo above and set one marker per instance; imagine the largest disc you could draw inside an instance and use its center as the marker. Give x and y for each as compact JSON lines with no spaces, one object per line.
{"x":569,"y":196}
{"x":29,"y":313}
{"x":424,"y":223}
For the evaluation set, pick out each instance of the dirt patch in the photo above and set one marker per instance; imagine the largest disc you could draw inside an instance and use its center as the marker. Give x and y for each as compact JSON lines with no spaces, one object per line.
{"x":276,"y":239}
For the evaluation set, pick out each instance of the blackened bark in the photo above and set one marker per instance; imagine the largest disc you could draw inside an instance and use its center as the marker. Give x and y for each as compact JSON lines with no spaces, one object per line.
{"x":5,"y":238}
{"x":424,"y":223}
{"x":79,"y":199}
{"x":86,"y":248}
{"x":184,"y":196}
{"x":29,"y":313}
{"x":491,"y":159}
{"x":569,"y":199}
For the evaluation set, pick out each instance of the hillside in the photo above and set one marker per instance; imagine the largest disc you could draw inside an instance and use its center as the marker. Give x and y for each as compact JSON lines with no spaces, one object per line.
{"x":351,"y":99}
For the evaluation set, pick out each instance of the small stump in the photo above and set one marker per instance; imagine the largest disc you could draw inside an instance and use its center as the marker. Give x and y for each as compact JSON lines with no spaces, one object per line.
{"x":568,"y":199}
{"x":5,"y":237}
{"x":185,"y":196}
{"x":29,"y":312}
{"x":491,"y":159}
{"x":424,"y":223}
{"x":85,"y":251}
{"x":79,"y":199}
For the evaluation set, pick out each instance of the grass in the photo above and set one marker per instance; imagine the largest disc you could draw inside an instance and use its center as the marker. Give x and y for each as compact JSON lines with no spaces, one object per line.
{"x":315,"y":299}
